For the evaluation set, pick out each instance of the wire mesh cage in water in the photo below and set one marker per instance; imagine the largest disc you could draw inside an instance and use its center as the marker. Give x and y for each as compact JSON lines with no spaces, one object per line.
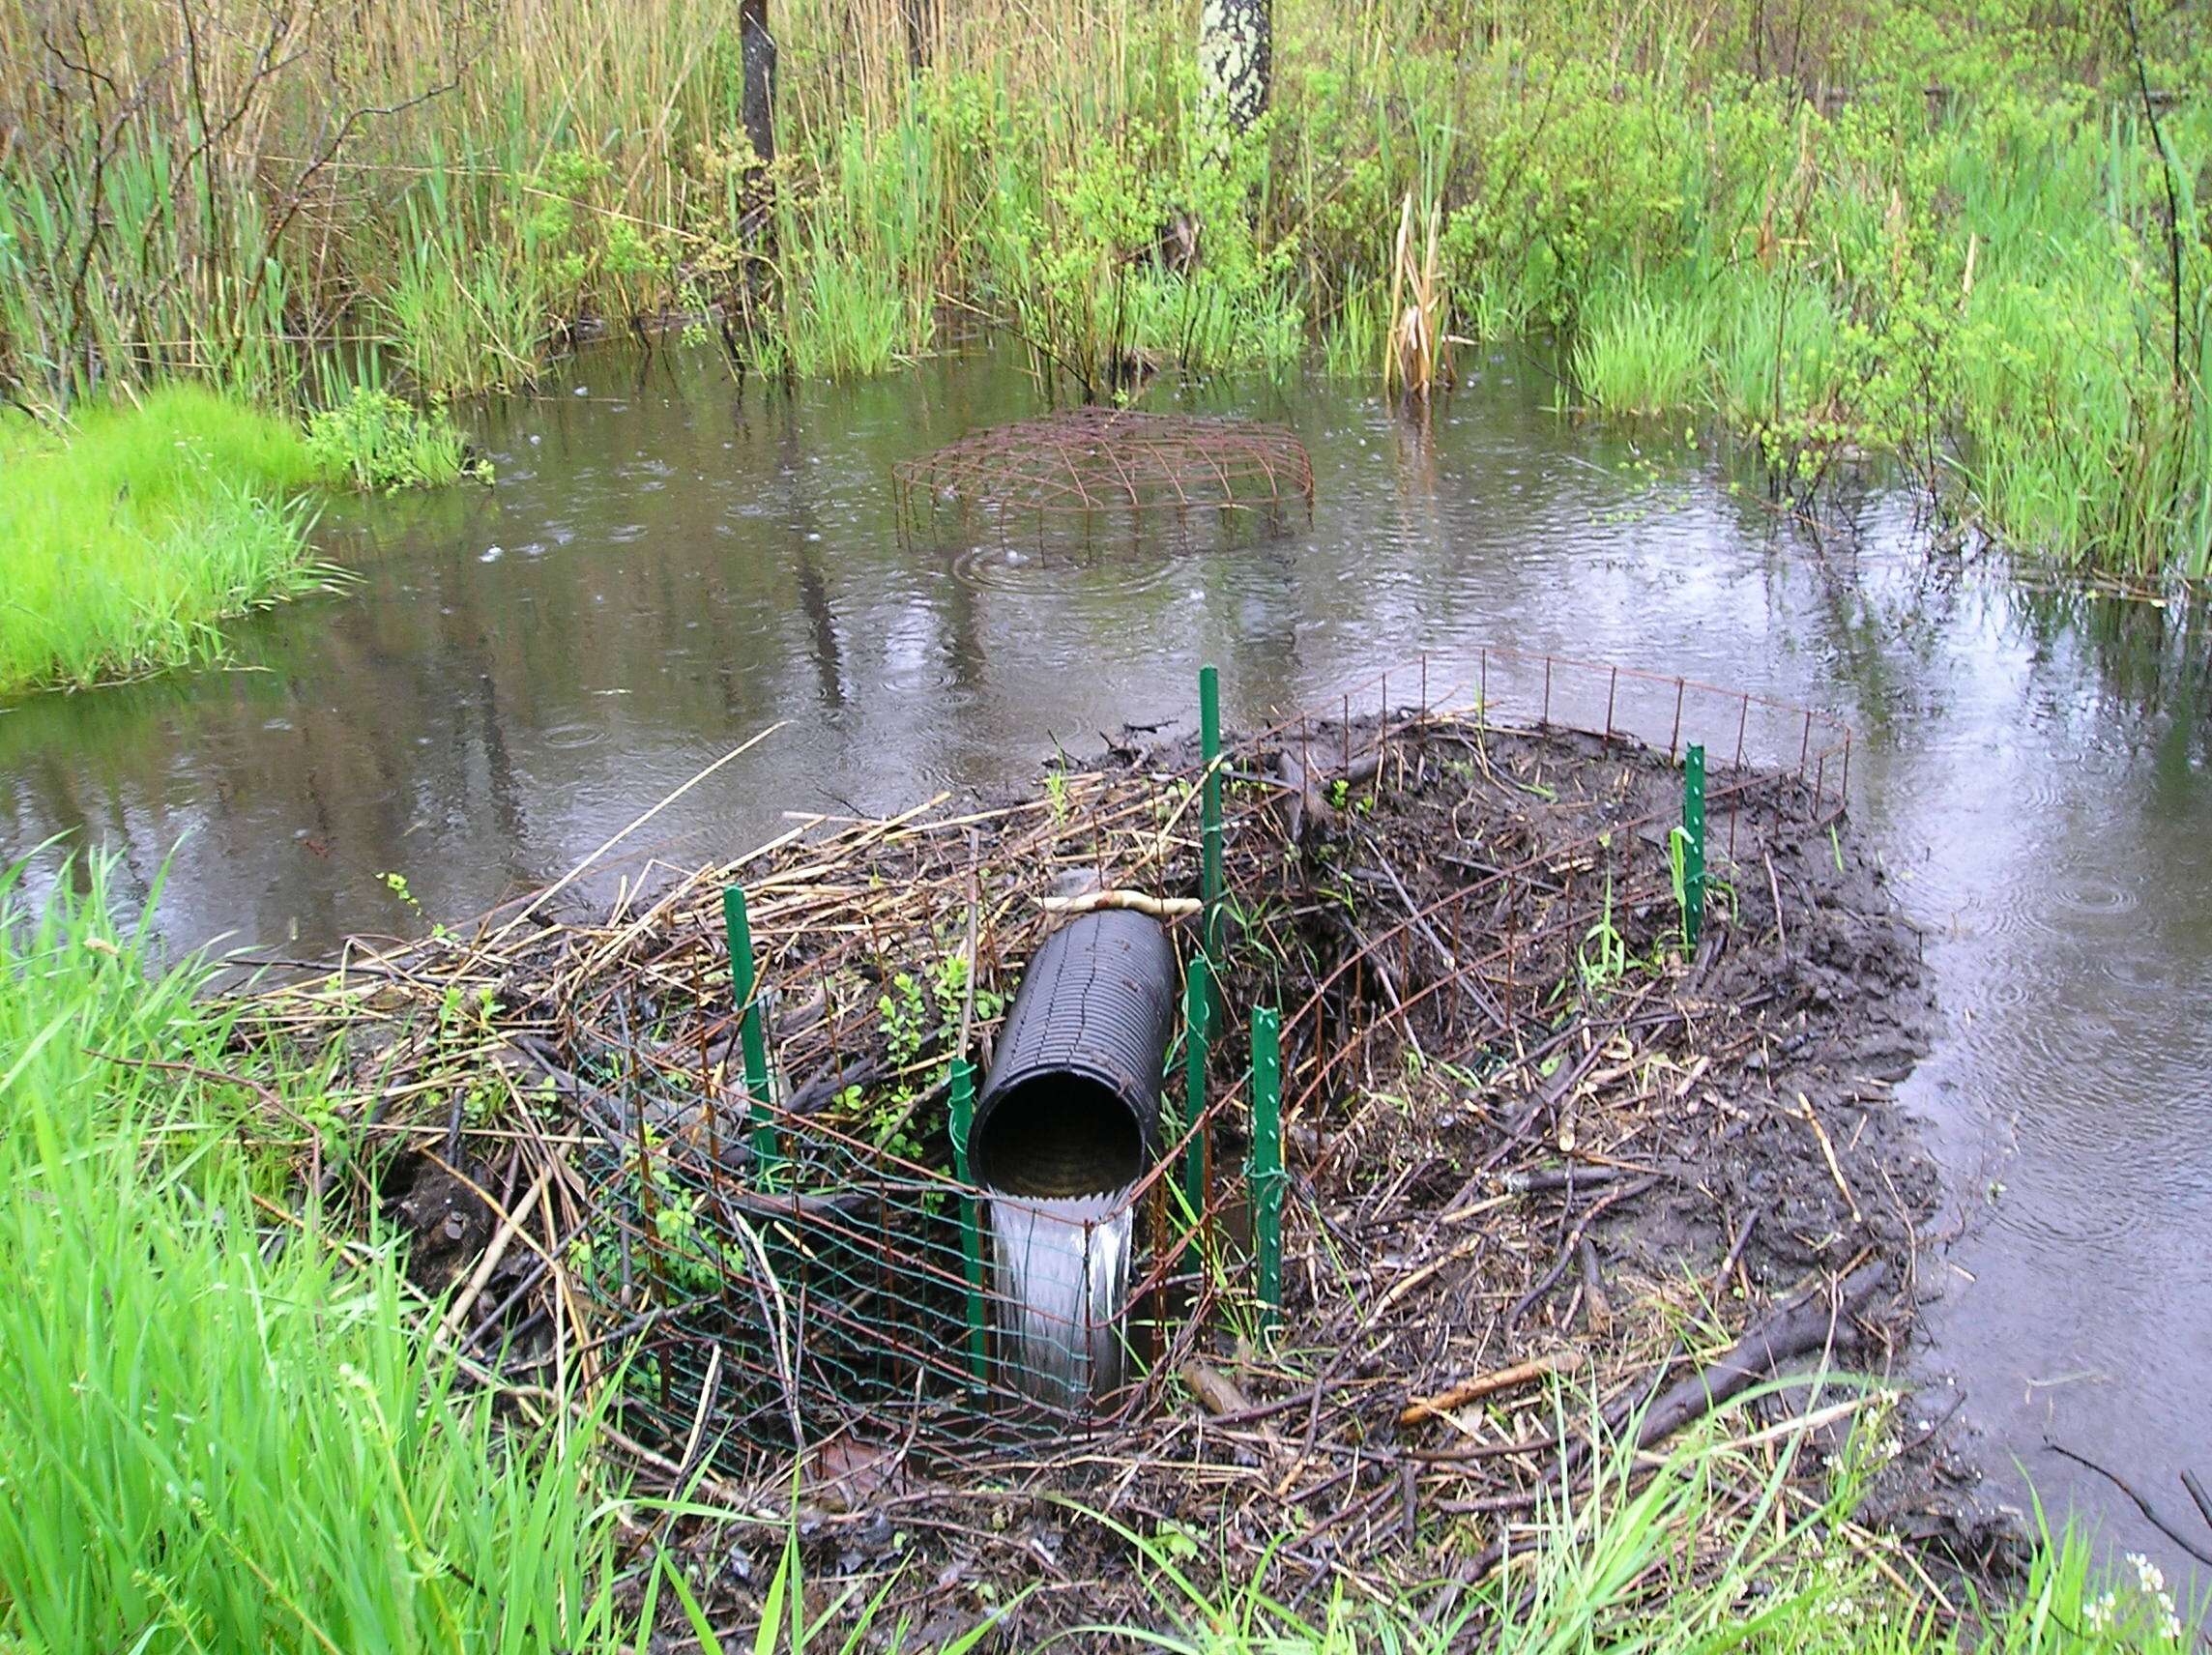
{"x":1099,"y":471}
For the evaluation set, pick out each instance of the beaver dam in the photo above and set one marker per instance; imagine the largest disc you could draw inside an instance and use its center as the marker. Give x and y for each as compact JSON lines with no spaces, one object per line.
{"x":1493,"y":1142}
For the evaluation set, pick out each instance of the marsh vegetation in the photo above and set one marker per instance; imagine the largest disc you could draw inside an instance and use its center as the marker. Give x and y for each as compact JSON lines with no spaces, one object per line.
{"x":1965,"y":239}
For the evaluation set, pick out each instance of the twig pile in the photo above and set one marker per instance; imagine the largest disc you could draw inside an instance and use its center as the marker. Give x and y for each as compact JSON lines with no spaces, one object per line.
{"x":1531,"y":1134}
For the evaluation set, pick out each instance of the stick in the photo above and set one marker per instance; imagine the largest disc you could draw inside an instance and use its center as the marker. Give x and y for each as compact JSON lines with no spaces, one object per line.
{"x":550,"y":892}
{"x":706,"y":1405}
{"x":1161,"y":908}
{"x":2142,"y":1504}
{"x":1829,"y":1153}
{"x":1476,"y":1388}
{"x":1800,"y":1328}
{"x":1774,"y":888}
{"x":458,"y":1312}
{"x":2197,"y":1493}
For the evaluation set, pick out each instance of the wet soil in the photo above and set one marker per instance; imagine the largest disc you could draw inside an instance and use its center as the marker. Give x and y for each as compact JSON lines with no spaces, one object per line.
{"x":443,"y":1215}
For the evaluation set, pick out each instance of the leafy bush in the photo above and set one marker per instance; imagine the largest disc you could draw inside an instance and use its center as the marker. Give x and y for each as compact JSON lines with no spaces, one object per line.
{"x":372,"y":439}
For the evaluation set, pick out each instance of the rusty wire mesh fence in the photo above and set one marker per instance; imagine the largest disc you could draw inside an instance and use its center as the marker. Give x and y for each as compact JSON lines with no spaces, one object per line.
{"x":785,"y":1268}
{"x":1107,"y":473}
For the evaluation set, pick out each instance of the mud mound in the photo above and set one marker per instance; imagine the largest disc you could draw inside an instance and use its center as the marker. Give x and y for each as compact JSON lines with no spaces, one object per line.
{"x":1544,"y":1127}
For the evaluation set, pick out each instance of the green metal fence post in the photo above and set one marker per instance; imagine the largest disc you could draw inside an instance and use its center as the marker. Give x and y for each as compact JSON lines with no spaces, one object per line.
{"x":1267,"y":1160}
{"x":1693,"y":843}
{"x":971,"y":1232}
{"x":1210,"y":808}
{"x":1197,"y":996}
{"x":752,"y":1041}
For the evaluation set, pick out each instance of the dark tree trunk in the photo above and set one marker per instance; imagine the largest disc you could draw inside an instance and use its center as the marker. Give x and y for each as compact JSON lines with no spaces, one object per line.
{"x":920,"y":20}
{"x":756,"y":54}
{"x":1235,"y":58}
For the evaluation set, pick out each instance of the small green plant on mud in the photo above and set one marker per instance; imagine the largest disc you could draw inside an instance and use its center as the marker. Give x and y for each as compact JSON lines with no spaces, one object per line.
{"x":919,"y":1015}
{"x":1718,"y":890}
{"x":1601,"y":960}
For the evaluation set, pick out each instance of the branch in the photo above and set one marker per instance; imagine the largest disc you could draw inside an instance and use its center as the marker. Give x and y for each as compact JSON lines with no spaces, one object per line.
{"x":2166,"y":172}
{"x":2142,"y":1504}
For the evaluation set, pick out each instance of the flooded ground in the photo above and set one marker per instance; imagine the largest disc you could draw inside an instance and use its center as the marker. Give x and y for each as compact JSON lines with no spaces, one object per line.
{"x":666,"y":566}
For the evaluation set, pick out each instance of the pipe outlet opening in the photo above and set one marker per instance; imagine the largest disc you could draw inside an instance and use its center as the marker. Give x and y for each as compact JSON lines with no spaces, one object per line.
{"x":1057,"y":1135}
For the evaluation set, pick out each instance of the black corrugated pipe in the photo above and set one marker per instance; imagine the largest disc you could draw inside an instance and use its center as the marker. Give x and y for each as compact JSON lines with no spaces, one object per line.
{"x":1072,"y":1103}
{"x":1069,"y":1119}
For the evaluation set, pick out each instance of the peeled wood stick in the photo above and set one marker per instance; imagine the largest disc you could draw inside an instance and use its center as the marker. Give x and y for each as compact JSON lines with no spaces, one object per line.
{"x":1216,"y":1392}
{"x":706,"y":1404}
{"x":550,"y":892}
{"x":1478,"y":1387}
{"x":1829,"y":1153}
{"x":669,"y":900}
{"x":1135,"y":901}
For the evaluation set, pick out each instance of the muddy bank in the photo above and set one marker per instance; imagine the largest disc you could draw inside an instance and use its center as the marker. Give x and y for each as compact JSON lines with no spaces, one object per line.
{"x":1540,"y":1144}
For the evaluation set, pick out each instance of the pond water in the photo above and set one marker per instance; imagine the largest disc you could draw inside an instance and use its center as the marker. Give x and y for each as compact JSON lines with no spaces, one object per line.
{"x":667,"y":565}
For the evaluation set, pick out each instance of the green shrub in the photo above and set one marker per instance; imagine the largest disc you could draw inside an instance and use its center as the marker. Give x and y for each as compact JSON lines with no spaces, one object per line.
{"x":372,"y":439}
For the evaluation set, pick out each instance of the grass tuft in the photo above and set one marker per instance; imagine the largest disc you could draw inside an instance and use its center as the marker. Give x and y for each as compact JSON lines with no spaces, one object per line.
{"x":124,"y":542}
{"x":218,"y":1431}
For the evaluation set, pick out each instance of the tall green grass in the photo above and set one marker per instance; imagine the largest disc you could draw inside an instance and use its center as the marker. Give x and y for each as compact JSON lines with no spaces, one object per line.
{"x":1639,"y":354}
{"x":1979,"y":296}
{"x":131,"y":257}
{"x":126,"y":540}
{"x":217,"y":1432}
{"x":1771,"y":222}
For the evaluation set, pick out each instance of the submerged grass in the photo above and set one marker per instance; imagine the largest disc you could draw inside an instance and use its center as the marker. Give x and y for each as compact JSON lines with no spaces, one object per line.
{"x":218,"y":1432}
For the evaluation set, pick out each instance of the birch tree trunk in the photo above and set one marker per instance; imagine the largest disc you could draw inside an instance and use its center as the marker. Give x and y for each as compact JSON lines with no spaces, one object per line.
{"x":1236,"y":59}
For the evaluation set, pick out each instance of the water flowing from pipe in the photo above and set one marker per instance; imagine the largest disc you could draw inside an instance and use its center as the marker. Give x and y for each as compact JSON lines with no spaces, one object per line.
{"x":1062,"y":1276}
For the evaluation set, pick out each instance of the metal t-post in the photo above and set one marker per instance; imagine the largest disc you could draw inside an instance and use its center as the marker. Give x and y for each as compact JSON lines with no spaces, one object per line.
{"x":1267,"y":1160}
{"x":1693,"y":843}
{"x":971,"y":1230}
{"x":752,"y":1040}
